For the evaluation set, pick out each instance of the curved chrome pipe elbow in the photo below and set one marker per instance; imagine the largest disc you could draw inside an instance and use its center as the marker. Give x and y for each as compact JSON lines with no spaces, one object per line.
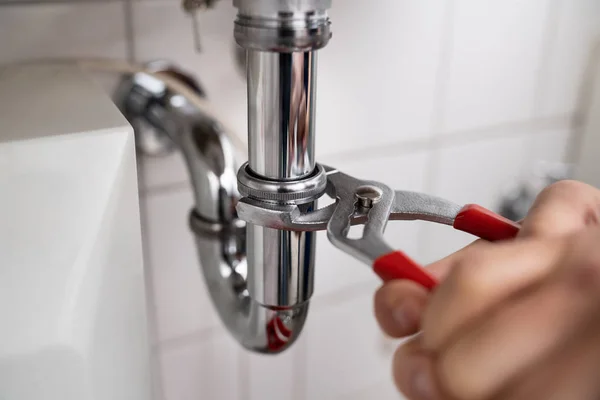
{"x":219,"y":235}
{"x":255,"y":326}
{"x":221,"y":243}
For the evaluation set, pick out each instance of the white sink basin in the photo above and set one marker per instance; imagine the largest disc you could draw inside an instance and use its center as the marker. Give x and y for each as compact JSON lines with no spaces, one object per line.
{"x":72,"y":299}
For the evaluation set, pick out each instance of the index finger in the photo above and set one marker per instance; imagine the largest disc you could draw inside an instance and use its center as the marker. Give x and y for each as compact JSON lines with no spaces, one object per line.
{"x":399,"y":304}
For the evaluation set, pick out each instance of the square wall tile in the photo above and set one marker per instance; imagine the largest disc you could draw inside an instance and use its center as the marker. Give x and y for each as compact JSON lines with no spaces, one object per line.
{"x":344,"y":351}
{"x":335,"y":270}
{"x":68,"y":30}
{"x":478,"y":173}
{"x":570,"y":56}
{"x":62,"y":30}
{"x":183,"y":304}
{"x":156,"y":376}
{"x":383,"y":390}
{"x":204,"y":369}
{"x":376,"y":82}
{"x":275,"y":376}
{"x":164,"y":31}
{"x":162,"y":171}
{"x":549,"y":146}
{"x":496,"y":55}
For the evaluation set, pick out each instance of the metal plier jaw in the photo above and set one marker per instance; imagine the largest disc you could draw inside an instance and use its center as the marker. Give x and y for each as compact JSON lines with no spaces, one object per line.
{"x":374,"y":204}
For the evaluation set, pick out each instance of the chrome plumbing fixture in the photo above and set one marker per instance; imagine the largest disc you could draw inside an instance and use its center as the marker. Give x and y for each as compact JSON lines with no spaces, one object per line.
{"x":260,"y":279}
{"x":255,"y":230}
{"x":281,"y":179}
{"x":281,"y":39}
{"x":296,"y":191}
{"x":164,"y":121}
{"x":373,"y":204}
{"x":192,"y":7}
{"x":282,"y":26}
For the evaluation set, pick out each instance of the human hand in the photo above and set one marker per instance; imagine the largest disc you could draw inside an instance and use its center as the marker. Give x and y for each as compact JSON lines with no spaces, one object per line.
{"x":512,"y":320}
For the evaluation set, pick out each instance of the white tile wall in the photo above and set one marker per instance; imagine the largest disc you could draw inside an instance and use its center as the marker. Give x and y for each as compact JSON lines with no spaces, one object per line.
{"x":495,"y":57}
{"x":206,"y":369}
{"x":472,"y":173}
{"x":381,"y":390}
{"x":344,"y":351}
{"x":552,"y":146}
{"x":481,"y":172}
{"x":575,"y":35}
{"x":163,"y":31}
{"x":275,"y":377}
{"x":183,"y":305}
{"x":63,"y":31}
{"x":397,"y":76}
{"x":391,"y":61}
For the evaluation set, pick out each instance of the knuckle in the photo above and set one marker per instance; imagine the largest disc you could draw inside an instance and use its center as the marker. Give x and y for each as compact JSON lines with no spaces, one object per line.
{"x":566,"y":186}
{"x":585,"y":277}
{"x":456,"y":380}
{"x":568,"y":191}
{"x":467,"y":276}
{"x":583,"y":264}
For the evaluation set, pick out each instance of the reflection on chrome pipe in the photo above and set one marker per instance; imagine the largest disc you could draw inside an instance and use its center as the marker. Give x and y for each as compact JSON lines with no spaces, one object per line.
{"x":281,"y":117}
{"x":281,"y":113}
{"x":220,"y":235}
{"x":283,"y":266}
{"x":222,"y":244}
{"x":255,"y":326}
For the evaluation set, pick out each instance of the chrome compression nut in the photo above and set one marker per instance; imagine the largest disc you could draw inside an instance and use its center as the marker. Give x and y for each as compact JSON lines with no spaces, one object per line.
{"x":282,"y":26}
{"x":290,"y":192}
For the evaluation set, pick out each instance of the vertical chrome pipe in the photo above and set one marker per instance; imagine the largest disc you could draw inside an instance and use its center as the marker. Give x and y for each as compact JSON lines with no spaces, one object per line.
{"x":281,"y":38}
{"x":281,"y":113}
{"x":281,"y":266}
{"x":281,"y":109}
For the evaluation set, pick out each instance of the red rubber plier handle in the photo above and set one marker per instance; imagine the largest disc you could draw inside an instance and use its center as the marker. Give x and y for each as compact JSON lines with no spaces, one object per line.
{"x":472,"y":219}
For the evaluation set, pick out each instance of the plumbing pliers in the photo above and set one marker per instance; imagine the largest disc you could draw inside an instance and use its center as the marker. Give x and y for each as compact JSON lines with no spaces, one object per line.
{"x":373,"y":203}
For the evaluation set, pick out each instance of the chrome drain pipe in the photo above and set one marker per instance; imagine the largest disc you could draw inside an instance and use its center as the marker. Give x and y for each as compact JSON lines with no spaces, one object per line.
{"x":281,"y":39}
{"x":260,"y":279}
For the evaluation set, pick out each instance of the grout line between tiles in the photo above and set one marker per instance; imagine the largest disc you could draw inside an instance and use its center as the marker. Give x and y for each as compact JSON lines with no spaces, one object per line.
{"x":299,"y":371}
{"x":454,"y":138}
{"x":550,"y":32}
{"x":443,"y":75}
{"x":166,"y":188}
{"x":129,"y":30}
{"x":243,"y":375}
{"x":188,"y":339}
{"x":551,"y":29}
{"x":324,"y":302}
{"x":584,"y":100}
{"x":444,"y":69}
{"x":341,"y":296}
{"x":10,"y":3}
{"x":436,"y":143}
{"x":504,"y":130}
{"x":156,"y":374}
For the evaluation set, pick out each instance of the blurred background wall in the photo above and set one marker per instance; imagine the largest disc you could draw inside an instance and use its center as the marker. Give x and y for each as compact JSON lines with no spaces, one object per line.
{"x":458,"y":98}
